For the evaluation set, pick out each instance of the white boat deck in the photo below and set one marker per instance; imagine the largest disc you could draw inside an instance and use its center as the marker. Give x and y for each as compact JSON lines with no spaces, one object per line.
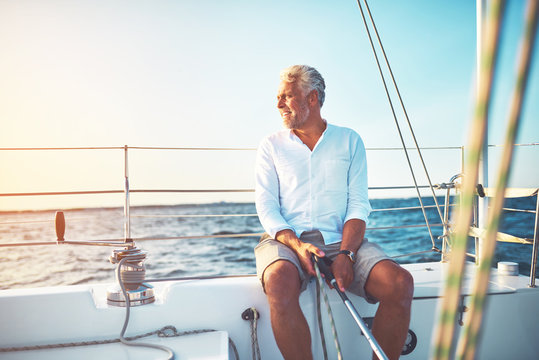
{"x":80,"y":313}
{"x":207,"y":346}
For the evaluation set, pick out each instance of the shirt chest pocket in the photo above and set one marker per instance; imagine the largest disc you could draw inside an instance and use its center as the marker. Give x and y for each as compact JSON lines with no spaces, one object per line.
{"x":336,"y":175}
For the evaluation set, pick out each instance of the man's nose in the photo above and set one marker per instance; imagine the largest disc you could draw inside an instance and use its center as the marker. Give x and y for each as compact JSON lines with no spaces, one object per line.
{"x":280,"y":103}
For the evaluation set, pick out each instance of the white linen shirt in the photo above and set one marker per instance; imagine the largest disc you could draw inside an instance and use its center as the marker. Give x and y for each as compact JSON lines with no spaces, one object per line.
{"x":303,"y":190}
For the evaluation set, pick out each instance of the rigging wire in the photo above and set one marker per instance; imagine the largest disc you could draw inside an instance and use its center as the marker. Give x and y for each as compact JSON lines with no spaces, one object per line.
{"x":403,"y":109}
{"x":397,"y":123}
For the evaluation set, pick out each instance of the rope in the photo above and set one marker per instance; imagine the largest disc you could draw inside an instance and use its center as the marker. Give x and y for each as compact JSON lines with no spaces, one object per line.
{"x":319,"y":317}
{"x":466,"y":347}
{"x":127,"y":313}
{"x":444,"y":334}
{"x":320,"y":282}
{"x":164,"y":332}
{"x":395,"y":117}
{"x":255,"y":349}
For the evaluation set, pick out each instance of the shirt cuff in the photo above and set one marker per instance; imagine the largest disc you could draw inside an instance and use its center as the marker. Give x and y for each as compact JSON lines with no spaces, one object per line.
{"x":361,"y":214}
{"x":273,"y":231}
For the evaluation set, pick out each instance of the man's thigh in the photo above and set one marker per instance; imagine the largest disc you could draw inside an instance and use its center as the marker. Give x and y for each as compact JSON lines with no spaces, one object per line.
{"x":368,"y":257}
{"x":269,"y":253}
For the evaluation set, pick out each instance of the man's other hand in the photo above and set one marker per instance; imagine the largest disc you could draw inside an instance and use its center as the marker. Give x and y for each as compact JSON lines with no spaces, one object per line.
{"x":343,"y":271}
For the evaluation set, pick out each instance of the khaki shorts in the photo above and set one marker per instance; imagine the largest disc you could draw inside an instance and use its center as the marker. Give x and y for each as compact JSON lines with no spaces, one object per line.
{"x":369,"y":254}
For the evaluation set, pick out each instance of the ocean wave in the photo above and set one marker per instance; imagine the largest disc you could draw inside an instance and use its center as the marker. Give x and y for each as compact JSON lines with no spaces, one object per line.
{"x":62,"y":265}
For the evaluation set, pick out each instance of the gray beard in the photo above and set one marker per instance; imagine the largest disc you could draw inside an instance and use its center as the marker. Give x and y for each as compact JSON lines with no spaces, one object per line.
{"x":296,"y":122}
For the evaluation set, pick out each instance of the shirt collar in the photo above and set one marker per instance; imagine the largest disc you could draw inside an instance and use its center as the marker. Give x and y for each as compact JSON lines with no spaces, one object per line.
{"x":292,"y":136}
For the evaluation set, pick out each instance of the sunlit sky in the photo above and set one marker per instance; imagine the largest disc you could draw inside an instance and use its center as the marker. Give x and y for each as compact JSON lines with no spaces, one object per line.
{"x":190,"y":73}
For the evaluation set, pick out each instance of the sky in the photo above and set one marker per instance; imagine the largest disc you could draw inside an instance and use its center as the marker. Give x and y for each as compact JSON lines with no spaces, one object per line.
{"x":190,"y":73}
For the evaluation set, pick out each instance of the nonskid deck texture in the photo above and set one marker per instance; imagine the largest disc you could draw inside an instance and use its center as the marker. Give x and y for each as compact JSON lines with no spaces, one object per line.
{"x":80,"y":313}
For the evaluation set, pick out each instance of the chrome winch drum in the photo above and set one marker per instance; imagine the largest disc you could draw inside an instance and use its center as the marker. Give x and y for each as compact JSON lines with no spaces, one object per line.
{"x":131,"y":274}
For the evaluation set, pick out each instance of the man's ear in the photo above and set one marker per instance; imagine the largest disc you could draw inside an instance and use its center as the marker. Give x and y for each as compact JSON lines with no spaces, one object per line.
{"x":313,"y":97}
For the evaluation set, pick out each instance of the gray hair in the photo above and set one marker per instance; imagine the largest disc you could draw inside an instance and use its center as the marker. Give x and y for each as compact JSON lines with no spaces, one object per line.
{"x":308,"y":79}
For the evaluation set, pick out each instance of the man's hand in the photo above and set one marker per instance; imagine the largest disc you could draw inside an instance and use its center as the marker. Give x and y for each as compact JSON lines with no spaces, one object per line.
{"x":302,"y":249}
{"x":343,"y":271}
{"x":305,"y":254}
{"x":352,"y":237}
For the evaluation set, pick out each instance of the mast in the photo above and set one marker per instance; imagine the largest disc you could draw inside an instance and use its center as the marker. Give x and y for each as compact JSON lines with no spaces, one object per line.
{"x":482,"y":203}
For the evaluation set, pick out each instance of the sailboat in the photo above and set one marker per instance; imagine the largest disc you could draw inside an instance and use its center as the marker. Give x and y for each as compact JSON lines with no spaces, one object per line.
{"x":227,"y":317}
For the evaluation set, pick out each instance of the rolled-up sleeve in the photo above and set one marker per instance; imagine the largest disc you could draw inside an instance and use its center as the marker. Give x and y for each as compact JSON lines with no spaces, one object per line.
{"x":267,"y":191}
{"x":358,"y":206}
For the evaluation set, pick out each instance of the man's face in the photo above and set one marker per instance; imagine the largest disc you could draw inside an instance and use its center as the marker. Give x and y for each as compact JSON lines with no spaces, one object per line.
{"x":292,"y":105}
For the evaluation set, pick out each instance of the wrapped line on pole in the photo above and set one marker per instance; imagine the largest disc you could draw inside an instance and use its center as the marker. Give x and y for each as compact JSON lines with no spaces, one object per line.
{"x":472,"y":330}
{"x":445,"y":329}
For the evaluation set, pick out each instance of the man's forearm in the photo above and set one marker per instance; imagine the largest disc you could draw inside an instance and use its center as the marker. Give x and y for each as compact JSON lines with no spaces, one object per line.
{"x":353,"y":234}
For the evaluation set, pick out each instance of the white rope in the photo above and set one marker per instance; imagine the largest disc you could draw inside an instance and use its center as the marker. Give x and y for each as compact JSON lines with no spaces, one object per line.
{"x":127,"y":314}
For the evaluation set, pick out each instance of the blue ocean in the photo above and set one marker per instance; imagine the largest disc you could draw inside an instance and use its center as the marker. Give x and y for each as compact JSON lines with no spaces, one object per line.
{"x":193,"y":254}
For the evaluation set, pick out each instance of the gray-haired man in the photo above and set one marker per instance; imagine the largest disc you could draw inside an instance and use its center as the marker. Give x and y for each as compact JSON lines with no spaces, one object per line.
{"x":311,"y":198}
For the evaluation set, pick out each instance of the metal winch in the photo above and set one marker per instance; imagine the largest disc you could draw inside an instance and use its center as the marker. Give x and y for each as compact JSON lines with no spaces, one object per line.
{"x":131,"y":274}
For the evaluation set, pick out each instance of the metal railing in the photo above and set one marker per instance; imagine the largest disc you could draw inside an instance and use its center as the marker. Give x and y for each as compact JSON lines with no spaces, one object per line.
{"x":127,"y":191}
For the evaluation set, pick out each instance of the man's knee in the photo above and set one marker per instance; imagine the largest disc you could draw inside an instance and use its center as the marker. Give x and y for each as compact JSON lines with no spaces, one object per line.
{"x":390,"y":283}
{"x":403,"y":289}
{"x":281,"y":282}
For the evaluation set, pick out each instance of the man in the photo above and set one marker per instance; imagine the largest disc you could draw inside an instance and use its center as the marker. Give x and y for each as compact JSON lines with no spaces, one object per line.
{"x":311,"y":198}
